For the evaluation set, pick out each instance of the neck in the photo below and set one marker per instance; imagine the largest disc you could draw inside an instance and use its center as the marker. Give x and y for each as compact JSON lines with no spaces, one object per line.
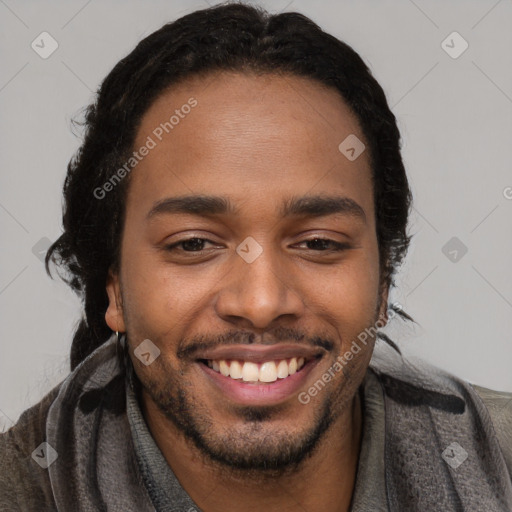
{"x":324,"y":481}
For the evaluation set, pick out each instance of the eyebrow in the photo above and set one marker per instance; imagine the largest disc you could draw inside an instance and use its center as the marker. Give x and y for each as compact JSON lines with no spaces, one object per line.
{"x":311,"y":206}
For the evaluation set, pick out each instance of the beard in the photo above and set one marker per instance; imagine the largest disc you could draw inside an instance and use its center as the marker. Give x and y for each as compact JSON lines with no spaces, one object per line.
{"x":253,"y":445}
{"x":256,"y":445}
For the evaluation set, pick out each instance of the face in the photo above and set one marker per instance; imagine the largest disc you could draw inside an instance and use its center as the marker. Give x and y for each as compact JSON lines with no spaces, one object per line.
{"x":250,"y":261}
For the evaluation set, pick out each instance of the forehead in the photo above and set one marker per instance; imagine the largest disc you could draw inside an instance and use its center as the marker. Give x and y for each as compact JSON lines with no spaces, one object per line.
{"x":249,"y":136}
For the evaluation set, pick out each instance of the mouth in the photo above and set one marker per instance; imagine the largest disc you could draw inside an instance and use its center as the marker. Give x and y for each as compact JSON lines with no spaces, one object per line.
{"x":259,"y":375}
{"x":250,"y":372}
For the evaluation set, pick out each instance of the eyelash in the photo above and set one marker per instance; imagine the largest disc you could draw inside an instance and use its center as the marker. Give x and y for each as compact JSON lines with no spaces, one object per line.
{"x":338,"y":246}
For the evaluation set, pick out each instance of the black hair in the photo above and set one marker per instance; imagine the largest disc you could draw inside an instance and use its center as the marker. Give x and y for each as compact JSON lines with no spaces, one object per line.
{"x":227,"y":37}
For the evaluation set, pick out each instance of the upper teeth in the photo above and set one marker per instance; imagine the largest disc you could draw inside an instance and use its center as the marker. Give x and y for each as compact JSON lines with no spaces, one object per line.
{"x":268,"y":371}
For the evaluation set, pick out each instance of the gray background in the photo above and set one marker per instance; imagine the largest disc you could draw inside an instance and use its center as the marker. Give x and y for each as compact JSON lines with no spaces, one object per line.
{"x":455,"y":115}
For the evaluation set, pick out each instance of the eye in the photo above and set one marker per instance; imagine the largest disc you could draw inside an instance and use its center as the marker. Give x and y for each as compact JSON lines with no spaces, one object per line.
{"x":325,"y":245}
{"x":194,"y":244}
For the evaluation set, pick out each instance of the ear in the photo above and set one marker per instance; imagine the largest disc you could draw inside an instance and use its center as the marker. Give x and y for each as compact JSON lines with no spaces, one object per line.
{"x":114,"y":314}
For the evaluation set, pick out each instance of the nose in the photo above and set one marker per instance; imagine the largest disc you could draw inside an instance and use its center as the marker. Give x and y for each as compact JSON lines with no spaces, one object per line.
{"x":256,"y":294}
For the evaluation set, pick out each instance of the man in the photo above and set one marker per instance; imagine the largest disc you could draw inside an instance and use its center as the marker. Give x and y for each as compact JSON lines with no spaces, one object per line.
{"x":233,"y":221}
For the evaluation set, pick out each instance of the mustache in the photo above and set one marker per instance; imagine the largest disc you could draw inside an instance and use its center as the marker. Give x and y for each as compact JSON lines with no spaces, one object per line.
{"x":188,"y":348}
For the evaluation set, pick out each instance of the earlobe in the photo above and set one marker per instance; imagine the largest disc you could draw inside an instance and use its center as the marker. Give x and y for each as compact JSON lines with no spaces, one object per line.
{"x":114,"y":314}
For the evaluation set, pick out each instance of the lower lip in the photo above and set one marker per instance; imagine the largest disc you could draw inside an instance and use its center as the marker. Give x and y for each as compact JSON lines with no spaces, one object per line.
{"x":260,"y":394}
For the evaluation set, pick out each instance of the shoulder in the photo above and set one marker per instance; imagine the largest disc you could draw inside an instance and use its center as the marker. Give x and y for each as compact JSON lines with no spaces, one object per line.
{"x":414,"y":381}
{"x":499,"y":406}
{"x":24,"y":485}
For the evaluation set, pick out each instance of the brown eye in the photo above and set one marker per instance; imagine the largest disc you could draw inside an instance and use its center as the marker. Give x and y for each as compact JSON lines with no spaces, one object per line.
{"x":325,"y":244}
{"x":194,"y":244}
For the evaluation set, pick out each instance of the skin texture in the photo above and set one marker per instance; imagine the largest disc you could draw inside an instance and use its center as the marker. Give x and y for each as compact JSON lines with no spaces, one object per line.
{"x":257,"y":140}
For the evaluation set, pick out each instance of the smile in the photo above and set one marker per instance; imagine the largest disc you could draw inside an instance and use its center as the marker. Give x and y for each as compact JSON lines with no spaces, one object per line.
{"x":259,"y":373}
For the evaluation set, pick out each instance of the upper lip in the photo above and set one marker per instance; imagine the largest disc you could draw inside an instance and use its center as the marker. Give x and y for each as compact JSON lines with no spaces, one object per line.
{"x":260,"y":353}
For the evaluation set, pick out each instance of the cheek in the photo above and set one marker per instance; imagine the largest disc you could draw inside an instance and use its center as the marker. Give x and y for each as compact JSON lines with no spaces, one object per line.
{"x":352,"y":285}
{"x":147,"y":295}
{"x":159,"y":296}
{"x":349,"y":295}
